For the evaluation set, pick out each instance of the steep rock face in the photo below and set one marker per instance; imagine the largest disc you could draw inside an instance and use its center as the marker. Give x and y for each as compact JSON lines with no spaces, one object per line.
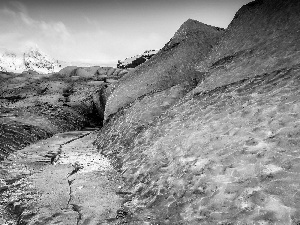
{"x":227,"y":152}
{"x":137,"y":60}
{"x":262,"y":37}
{"x":172,"y":65}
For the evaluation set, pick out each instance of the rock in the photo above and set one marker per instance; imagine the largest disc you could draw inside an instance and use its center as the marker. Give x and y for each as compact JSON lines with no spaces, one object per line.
{"x":116,"y":73}
{"x":67,"y":71}
{"x":172,"y":65}
{"x":110,"y":71}
{"x":122,"y":73}
{"x":227,"y":151}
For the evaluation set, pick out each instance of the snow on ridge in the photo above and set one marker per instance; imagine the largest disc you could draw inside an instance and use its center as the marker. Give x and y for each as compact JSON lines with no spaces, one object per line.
{"x":32,"y":59}
{"x":133,"y":61}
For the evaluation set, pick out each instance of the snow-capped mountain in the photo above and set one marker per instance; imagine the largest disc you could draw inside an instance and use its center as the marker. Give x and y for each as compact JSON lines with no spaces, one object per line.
{"x":32,"y":59}
{"x":134,"y":61}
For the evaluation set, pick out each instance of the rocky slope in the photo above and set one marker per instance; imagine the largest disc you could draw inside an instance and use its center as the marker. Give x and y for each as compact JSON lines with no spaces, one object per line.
{"x":33,"y":59}
{"x":137,"y":60}
{"x":226,"y":152}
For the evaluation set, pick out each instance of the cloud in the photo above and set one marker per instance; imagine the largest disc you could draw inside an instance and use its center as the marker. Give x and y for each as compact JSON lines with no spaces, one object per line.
{"x":20,"y":30}
{"x":17,"y":23}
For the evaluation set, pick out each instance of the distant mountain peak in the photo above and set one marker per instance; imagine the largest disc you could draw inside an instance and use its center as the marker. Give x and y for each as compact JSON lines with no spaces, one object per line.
{"x":190,"y":26}
{"x":32,"y":59}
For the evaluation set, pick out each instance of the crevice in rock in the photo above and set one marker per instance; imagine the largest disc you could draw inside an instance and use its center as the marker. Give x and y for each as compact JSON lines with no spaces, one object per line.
{"x":77,"y":167}
{"x":55,"y":158}
{"x":76,"y":208}
{"x":70,"y":192}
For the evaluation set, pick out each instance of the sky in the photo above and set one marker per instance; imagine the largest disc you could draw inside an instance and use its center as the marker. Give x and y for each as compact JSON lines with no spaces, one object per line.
{"x":103,"y":31}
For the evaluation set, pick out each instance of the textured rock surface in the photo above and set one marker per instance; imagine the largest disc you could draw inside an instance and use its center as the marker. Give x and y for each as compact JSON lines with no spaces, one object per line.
{"x":61,"y":180}
{"x":227,"y":152}
{"x":226,"y":156}
{"x":170,"y":66}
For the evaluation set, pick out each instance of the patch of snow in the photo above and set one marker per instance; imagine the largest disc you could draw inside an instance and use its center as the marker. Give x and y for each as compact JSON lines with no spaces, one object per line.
{"x":146,"y":55}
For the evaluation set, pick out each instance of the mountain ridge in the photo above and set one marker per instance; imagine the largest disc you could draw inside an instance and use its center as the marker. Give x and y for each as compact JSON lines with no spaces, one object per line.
{"x":172,"y":65}
{"x":33,"y":59}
